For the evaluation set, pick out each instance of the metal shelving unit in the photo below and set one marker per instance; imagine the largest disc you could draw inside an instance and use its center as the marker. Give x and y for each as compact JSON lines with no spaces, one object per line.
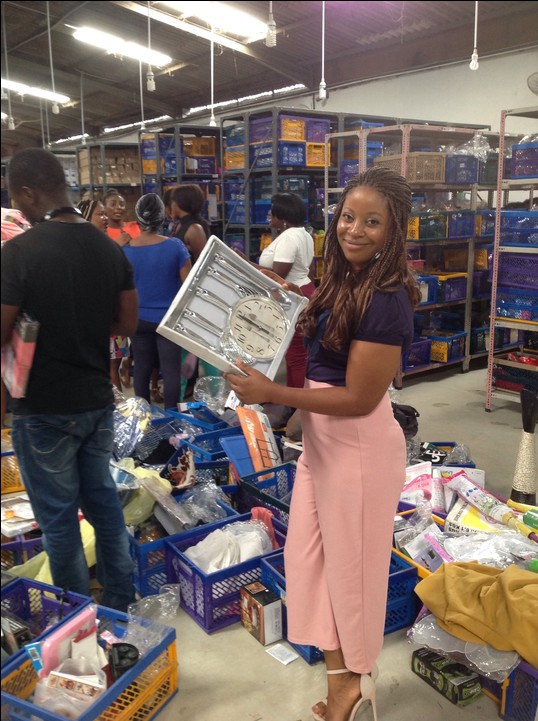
{"x":504,"y":186}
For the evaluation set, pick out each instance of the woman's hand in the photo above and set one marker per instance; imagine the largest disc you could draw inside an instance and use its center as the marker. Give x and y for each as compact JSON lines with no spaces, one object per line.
{"x":124,"y":238}
{"x":254,"y":388}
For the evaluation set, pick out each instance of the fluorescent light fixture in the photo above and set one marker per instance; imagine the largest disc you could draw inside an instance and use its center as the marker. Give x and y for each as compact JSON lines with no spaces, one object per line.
{"x":35,"y":92}
{"x":223,"y":18}
{"x":4,"y":116}
{"x":160,"y":119}
{"x":117,"y":46}
{"x":258,"y":96}
{"x":71,"y":139}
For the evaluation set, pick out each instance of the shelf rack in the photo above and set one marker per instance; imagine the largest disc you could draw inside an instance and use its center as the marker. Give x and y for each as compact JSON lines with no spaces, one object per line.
{"x":503,"y":188}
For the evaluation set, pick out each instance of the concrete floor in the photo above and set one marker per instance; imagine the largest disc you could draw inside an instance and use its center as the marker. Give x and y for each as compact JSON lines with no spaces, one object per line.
{"x":228,"y":676}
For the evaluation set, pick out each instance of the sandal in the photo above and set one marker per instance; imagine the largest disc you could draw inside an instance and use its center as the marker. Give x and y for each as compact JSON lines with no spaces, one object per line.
{"x":156,"y":395}
{"x":367,"y":693}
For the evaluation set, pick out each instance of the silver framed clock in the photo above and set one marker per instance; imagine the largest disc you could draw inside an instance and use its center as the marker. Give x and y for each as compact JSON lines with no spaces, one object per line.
{"x":228,"y":310}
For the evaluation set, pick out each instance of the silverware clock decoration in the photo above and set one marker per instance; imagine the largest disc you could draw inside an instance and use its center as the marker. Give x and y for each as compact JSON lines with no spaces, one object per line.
{"x":227,"y":311}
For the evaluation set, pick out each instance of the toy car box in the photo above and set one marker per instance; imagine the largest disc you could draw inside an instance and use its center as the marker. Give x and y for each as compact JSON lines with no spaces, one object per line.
{"x":454,"y":681}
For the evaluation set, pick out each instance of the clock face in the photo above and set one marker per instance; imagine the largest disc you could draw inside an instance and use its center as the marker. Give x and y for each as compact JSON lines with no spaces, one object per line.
{"x":258,"y":326}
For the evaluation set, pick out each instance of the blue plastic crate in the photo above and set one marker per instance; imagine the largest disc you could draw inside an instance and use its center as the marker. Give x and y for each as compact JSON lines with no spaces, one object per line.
{"x":140,"y":693}
{"x":217,"y":471}
{"x":519,"y":228}
{"x":317,"y":129}
{"x":207,"y":447}
{"x":289,"y":153}
{"x":348,"y":169}
{"x":518,"y":304}
{"x":260,"y":212}
{"x":518,"y":270}
{"x":428,"y":285}
{"x":40,"y":605}
{"x":485,"y":223}
{"x":20,"y":549}
{"x":260,"y":129}
{"x":270,"y":488}
{"x":150,"y":567}
{"x":213,"y":599}
{"x":525,"y":160}
{"x":417,"y":355}
{"x":234,"y":190}
{"x":236,"y":211}
{"x":520,"y":694}
{"x":461,"y":169}
{"x":197,"y":422}
{"x":235,"y":135}
{"x":461,"y":224}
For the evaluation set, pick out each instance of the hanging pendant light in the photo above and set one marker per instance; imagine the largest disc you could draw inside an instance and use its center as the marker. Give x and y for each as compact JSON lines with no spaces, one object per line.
{"x":322,"y":85}
{"x":55,"y":107}
{"x":474,"y":57}
{"x":212,"y":121}
{"x":10,"y":120}
{"x":142,"y":121}
{"x":150,"y":77}
{"x":270,"y":38}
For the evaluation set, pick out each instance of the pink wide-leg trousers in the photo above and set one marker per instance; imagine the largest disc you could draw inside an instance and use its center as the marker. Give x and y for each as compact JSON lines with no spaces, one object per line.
{"x":337,"y":553}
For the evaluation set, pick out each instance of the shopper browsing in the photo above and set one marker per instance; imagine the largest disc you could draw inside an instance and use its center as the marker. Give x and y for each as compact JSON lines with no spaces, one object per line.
{"x":161,"y":265}
{"x":186,"y":205}
{"x":63,"y":428}
{"x":290,"y":256}
{"x":120,"y":230}
{"x":352,"y":470}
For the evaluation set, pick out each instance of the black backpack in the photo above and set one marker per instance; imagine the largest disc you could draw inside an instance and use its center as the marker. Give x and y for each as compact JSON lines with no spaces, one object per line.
{"x":407,"y":418}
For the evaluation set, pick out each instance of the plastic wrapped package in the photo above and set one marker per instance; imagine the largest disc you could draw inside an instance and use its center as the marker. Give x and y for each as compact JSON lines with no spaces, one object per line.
{"x":459,"y":455}
{"x":482,"y":658}
{"x":144,"y":630}
{"x":202,"y":505}
{"x":65,"y":695}
{"x":132,"y":418}
{"x":499,"y":550}
{"x":213,"y":391}
{"x":231,"y":545}
{"x":478,"y":146}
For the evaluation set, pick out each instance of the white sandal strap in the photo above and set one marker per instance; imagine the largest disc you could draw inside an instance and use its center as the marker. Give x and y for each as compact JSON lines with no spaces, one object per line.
{"x":338,"y":670}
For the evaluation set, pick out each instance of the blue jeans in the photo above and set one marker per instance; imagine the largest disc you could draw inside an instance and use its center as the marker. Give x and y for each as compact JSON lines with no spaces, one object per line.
{"x":64,"y":463}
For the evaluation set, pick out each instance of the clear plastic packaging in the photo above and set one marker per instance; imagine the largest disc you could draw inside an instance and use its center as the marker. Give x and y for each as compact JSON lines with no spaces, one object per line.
{"x":213,"y":391}
{"x":482,"y":658}
{"x":230,"y":545}
{"x":499,"y":550}
{"x":460,"y":454}
{"x":132,"y":418}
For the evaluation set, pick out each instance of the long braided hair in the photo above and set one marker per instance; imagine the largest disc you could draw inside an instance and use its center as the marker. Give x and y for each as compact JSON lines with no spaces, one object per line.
{"x":348,"y":293}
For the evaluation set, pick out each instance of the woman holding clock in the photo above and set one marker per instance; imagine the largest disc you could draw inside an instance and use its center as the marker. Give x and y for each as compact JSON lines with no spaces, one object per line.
{"x":352,"y":469}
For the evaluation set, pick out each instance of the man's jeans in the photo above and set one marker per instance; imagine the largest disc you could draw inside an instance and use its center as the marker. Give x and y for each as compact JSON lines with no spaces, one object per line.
{"x":64,"y":462}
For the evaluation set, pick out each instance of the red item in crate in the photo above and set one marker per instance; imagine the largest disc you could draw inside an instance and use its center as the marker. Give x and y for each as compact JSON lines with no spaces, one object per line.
{"x":530,"y":360}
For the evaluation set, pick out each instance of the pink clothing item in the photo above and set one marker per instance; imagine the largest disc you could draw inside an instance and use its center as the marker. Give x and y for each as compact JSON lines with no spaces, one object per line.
{"x":337,"y":553}
{"x":13,"y":223}
{"x":265,"y":516}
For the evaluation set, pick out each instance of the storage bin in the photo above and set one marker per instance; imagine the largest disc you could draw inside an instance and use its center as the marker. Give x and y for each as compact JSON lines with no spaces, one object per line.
{"x":481,"y":284}
{"x":201,"y":165}
{"x":148,"y":145}
{"x":20,"y":549}
{"x":421,"y":167}
{"x":461,"y":224}
{"x":446,"y":346}
{"x":315,"y":155}
{"x":417,"y":355}
{"x":485,"y":223}
{"x":196,"y":147}
{"x":235,"y":135}
{"x":461,"y":169}
{"x":270,"y":488}
{"x":348,"y":169}
{"x":290,"y":128}
{"x":150,"y":568}
{"x":517,"y":304}
{"x":289,"y":153}
{"x":40,"y":605}
{"x":525,"y":160}
{"x":518,"y":271}
{"x":260,"y":212}
{"x":317,"y":129}
{"x":138,"y":695}
{"x":11,"y":477}
{"x":479,"y":340}
{"x":519,"y":228}
{"x":427,"y":226}
{"x":520,"y":694}
{"x":207,"y":447}
{"x":510,"y":374}
{"x":451,"y":287}
{"x":428,"y":289}
{"x":236,"y":211}
{"x":213,"y":599}
{"x":235,"y":159}
{"x":234,"y":190}
{"x":319,"y":266}
{"x":197,"y":422}
{"x":297,"y":184}
{"x":260,"y":129}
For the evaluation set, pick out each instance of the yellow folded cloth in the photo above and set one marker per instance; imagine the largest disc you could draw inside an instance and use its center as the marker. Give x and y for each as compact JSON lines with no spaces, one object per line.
{"x":483,"y":604}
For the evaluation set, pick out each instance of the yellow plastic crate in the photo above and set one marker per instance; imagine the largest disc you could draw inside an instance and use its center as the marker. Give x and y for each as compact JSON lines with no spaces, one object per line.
{"x":197,"y":147}
{"x":141,"y":700}
{"x":319,"y":242}
{"x":234,"y":159}
{"x":315,"y":155}
{"x":318,"y":268}
{"x":11,"y":477}
{"x":292,"y":128}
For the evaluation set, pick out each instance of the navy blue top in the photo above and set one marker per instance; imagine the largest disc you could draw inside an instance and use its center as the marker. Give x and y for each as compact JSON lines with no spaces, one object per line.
{"x":388,"y":320}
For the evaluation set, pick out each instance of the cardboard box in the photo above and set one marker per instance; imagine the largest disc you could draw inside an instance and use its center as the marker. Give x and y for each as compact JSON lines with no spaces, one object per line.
{"x":261,"y":613}
{"x":454,"y":681}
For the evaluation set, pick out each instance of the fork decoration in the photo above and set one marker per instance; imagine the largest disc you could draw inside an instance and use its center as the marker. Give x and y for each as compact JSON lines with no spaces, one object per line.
{"x":242,"y":290}
{"x":275,"y":293}
{"x":226,"y":343}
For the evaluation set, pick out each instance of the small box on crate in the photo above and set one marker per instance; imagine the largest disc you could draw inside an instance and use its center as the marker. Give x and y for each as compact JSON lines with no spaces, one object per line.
{"x":454,"y":681}
{"x":261,"y":613}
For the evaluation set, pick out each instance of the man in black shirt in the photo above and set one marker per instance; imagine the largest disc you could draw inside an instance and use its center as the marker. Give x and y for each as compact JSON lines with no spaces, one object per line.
{"x":77,"y":283}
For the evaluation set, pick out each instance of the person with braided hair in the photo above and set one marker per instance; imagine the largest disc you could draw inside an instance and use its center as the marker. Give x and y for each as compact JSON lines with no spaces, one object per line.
{"x":352,"y":469}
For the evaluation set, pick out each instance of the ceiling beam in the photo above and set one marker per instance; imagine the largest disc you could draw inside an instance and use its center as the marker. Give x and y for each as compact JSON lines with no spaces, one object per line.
{"x":268,"y":59}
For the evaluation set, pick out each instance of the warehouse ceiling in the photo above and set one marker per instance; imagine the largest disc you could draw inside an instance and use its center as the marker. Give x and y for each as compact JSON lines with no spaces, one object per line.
{"x":363,"y":40}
